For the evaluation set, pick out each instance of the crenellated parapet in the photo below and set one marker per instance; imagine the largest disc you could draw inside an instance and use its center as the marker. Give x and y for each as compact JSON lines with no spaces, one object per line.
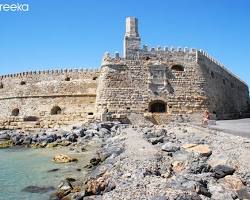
{"x":172,"y":49}
{"x":50,"y":72}
{"x":203,"y":54}
{"x":148,"y":52}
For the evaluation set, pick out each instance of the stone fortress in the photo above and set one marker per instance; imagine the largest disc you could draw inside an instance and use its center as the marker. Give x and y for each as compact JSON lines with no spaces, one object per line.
{"x":157,"y":83}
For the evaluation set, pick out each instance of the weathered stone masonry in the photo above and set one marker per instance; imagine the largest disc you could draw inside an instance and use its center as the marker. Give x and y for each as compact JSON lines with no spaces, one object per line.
{"x":172,"y":81}
{"x":163,"y":81}
{"x":47,"y":98}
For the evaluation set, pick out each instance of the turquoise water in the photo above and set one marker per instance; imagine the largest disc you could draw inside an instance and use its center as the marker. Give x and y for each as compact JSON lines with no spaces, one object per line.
{"x":20,"y":168}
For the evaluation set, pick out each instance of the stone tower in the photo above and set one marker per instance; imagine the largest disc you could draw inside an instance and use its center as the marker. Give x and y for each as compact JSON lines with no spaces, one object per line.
{"x":132,"y":39}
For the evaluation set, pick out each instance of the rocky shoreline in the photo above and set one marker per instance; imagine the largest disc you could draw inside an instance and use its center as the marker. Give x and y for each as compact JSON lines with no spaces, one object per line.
{"x":175,"y":161}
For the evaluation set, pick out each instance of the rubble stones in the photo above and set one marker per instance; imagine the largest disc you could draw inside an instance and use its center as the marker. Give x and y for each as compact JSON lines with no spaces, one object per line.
{"x":220,"y":171}
{"x":170,"y":147}
{"x":202,"y":149}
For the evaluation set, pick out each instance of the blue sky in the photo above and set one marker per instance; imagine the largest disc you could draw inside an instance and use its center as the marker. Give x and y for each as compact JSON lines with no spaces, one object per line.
{"x":76,"y":33}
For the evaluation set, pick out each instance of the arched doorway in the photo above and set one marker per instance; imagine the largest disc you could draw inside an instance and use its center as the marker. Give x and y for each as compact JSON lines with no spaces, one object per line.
{"x":55,"y":110}
{"x":157,"y":107}
{"x":15,"y":112}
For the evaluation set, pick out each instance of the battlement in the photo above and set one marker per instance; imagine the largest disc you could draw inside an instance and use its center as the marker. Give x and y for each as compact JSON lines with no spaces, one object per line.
{"x":49,"y":72}
{"x":145,"y":48}
{"x":202,"y":53}
{"x":146,"y":51}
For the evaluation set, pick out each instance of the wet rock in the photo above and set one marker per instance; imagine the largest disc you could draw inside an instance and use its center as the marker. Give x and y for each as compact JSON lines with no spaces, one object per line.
{"x":156,"y":140}
{"x":27,"y":140}
{"x":65,"y":143}
{"x":17,"y":139}
{"x":72,"y":137}
{"x":6,"y":144}
{"x":50,"y":138}
{"x":220,"y":171}
{"x":69,"y":179}
{"x":95,"y":161}
{"x":61,"y":158}
{"x":51,"y":145}
{"x":37,"y":189}
{"x":4,"y":136}
{"x":53,"y":170}
{"x":201,"y":149}
{"x":170,"y":147}
{"x":65,"y":185}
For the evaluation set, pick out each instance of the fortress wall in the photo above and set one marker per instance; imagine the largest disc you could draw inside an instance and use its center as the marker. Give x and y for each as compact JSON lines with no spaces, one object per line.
{"x":73,"y":109}
{"x":188,"y":86}
{"x":122,"y":87}
{"x":228,"y":95}
{"x":74,"y":91}
{"x":54,"y":82}
{"x":128,"y":85}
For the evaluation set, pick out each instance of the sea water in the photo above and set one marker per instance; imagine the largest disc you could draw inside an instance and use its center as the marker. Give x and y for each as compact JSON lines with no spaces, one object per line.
{"x":20,"y":168}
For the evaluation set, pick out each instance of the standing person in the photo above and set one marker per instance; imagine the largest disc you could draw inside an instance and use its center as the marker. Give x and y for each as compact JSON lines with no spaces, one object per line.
{"x":206,"y":117}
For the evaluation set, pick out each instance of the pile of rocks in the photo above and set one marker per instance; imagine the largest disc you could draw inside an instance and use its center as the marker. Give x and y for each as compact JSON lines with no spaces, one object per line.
{"x":174,"y":164}
{"x":53,"y":138}
{"x":170,"y":162}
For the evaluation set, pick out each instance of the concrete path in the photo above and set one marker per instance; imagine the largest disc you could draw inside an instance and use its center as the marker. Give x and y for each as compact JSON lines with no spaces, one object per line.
{"x":240,"y":127}
{"x":137,"y":147}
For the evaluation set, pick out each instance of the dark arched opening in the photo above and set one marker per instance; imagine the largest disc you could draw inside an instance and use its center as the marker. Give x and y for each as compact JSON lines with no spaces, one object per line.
{"x":157,"y":107}
{"x":67,"y":78}
{"x":23,"y":83}
{"x":15,"y":112}
{"x":212,"y":74}
{"x":55,"y":110}
{"x":178,"y":68}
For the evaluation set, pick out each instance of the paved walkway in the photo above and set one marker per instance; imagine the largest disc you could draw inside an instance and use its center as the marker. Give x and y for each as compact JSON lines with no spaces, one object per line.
{"x":239,"y":127}
{"x":137,"y":147}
